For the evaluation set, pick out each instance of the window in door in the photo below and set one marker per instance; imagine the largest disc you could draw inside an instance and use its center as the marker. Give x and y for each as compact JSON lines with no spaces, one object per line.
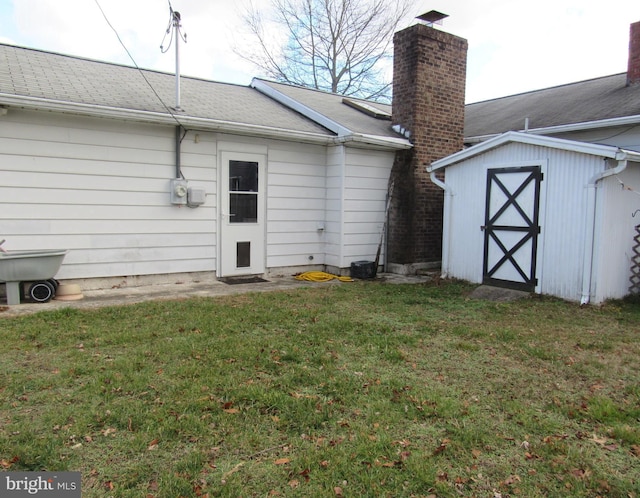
{"x":243,"y":192}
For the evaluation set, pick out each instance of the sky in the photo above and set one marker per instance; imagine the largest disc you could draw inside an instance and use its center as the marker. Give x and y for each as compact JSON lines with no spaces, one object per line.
{"x":514,"y":45}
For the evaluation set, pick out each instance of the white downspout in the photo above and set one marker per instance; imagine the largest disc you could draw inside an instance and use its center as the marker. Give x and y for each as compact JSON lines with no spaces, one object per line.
{"x":587,"y":270}
{"x":446,"y":225}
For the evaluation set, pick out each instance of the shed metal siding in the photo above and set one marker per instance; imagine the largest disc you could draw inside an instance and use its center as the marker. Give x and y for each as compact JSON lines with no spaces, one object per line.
{"x":468,"y":181}
{"x":620,"y":199}
{"x":561,"y":256}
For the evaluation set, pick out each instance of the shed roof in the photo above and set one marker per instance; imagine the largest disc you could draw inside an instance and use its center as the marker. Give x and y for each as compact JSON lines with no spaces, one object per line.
{"x":598,"y":99}
{"x":605,"y":151}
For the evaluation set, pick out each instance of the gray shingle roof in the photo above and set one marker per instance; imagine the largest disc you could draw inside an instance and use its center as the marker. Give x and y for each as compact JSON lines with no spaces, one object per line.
{"x":44,"y":75}
{"x":597,"y":99}
{"x":331,"y":106}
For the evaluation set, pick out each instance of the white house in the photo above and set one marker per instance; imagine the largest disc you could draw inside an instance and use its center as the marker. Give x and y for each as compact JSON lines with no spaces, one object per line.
{"x":93,"y":159}
{"x":142,"y":178}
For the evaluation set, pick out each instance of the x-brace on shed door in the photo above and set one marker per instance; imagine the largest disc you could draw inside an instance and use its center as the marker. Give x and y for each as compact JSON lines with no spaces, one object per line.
{"x":511,"y":227}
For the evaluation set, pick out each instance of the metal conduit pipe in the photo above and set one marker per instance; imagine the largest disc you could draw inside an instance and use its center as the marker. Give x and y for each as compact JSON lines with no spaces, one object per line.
{"x":178,"y":144}
{"x":587,"y":270}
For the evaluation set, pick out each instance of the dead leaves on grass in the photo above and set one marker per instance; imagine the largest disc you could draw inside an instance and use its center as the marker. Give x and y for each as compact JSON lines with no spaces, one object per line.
{"x":604,"y":443}
{"x":109,"y":431}
{"x":7,"y":464}
{"x":227,"y":407}
{"x":297,"y":478}
{"x":443,"y":446}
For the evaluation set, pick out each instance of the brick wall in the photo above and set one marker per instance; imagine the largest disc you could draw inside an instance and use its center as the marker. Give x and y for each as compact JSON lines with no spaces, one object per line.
{"x":428,"y":101}
{"x":633,"y":69}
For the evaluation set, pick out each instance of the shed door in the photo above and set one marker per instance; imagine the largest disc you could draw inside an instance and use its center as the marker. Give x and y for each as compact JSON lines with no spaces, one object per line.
{"x":511,"y":227}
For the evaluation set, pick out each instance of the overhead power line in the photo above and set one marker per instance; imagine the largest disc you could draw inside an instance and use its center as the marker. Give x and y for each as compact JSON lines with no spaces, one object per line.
{"x":167,"y":108}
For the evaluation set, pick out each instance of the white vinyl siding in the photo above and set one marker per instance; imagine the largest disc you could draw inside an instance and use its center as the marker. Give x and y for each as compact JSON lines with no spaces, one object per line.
{"x":341,"y":189}
{"x":365,"y":192}
{"x":100,"y":189}
{"x":334,"y":220}
{"x":296,"y":179}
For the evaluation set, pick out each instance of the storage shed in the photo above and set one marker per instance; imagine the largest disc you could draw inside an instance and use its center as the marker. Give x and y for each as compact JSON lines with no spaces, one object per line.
{"x":541,"y":214}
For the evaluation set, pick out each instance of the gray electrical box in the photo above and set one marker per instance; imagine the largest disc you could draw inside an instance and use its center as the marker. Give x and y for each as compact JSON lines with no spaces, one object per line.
{"x":178,"y":191}
{"x":196,"y":197}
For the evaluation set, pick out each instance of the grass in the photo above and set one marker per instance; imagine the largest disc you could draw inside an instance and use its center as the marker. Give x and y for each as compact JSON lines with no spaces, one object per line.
{"x":362,"y":389}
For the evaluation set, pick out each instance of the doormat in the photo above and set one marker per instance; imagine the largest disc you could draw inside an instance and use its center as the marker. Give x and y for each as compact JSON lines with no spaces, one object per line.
{"x":242,"y":280}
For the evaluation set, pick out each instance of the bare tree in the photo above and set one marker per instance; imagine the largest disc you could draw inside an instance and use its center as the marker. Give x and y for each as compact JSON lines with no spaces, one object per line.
{"x":335,"y":45}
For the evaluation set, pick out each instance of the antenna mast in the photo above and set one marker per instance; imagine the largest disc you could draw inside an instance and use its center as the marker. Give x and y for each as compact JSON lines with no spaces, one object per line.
{"x":174,"y":31}
{"x":176,"y":28}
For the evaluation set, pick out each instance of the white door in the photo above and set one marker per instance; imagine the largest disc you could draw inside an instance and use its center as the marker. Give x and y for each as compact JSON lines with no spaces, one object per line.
{"x":242,"y":230}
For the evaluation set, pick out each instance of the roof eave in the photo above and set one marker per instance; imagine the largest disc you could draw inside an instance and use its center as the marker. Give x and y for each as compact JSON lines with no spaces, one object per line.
{"x":607,"y":151}
{"x":566,"y":128}
{"x":375,"y":141}
{"x":204,"y":124}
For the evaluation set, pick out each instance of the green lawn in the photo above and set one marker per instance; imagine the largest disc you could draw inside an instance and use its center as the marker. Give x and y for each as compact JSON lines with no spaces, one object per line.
{"x":358,"y":389}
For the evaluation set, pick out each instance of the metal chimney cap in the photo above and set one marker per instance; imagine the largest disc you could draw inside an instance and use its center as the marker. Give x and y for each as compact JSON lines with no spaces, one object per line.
{"x":433,"y":16}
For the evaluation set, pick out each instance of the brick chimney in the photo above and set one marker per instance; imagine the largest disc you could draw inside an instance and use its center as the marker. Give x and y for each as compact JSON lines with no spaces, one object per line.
{"x":633,"y":69}
{"x":429,"y":72}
